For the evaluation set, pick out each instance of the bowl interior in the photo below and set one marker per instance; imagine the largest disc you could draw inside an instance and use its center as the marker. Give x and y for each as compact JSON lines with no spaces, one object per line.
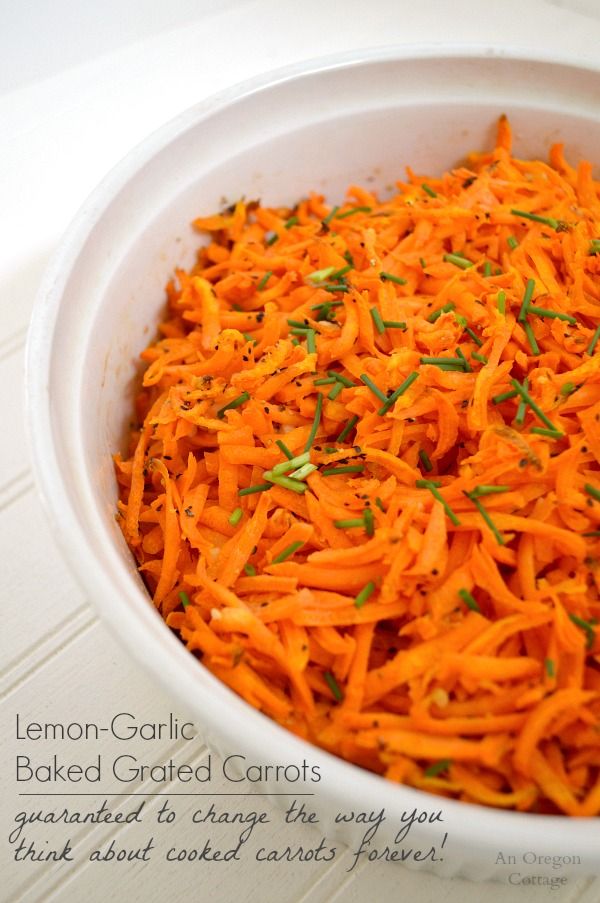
{"x":360,"y":122}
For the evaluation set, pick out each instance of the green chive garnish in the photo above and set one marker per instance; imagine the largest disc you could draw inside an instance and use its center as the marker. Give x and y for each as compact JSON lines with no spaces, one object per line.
{"x":545,"y":220}
{"x":437,"y":768}
{"x":534,"y":407}
{"x":347,"y":429}
{"x":369,"y":522}
{"x":347,"y":468}
{"x":333,"y":394}
{"x":429,"y":190}
{"x":352,"y":211}
{"x":542,"y":431}
{"x":349,"y":523}
{"x":284,"y":449}
{"x":394,"y":324}
{"x":594,"y":246}
{"x":311,"y":341}
{"x":298,"y":324}
{"x":526,"y":300}
{"x":591,"y":490}
{"x":348,"y":256}
{"x":487,"y":269}
{"x":594,"y":342}
{"x":445,"y":363}
{"x":488,"y":490}
{"x":337,"y":274}
{"x":285,"y":482}
{"x":458,"y":261}
{"x":336,"y":287}
{"x":479,"y":357}
{"x":333,"y":686}
{"x":389,"y":277}
{"x":474,"y":336}
{"x":315,"y":424}
{"x":292,"y":221}
{"x":365,"y":593}
{"x":291,"y":464}
{"x":303,"y":472}
{"x":441,"y":310}
{"x":184,"y":598}
{"x":374,"y":389}
{"x":535,"y":348}
{"x":552,"y":314}
{"x":259,"y":487}
{"x":391,"y":400}
{"x":423,"y":263}
{"x":320,"y":275}
{"x":568,"y":388}
{"x":379,"y":326}
{"x":487,"y":518}
{"x":250,"y":570}
{"x":549,"y":666}
{"x":235,"y":517}
{"x":325,"y":381}
{"x":341,"y":378}
{"x":425,"y":460}
{"x":379,"y":504}
{"x":522,"y":407}
{"x":466,"y":364}
{"x":587,"y":627}
{"x":432,"y":486}
{"x":264,"y":280}
{"x":233,"y":404}
{"x":512,"y":242}
{"x":501,"y":302}
{"x":504,"y":396}
{"x":287,"y":552}
{"x":468,"y":599}
{"x":271,"y":239}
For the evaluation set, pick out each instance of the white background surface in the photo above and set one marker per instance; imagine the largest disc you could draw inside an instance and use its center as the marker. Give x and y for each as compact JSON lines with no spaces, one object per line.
{"x":80,"y":83}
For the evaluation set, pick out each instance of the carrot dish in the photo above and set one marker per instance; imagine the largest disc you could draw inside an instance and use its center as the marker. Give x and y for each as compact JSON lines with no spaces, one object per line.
{"x":364,"y":483}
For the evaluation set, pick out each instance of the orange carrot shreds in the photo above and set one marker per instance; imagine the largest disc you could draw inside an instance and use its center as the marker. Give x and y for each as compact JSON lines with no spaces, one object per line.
{"x":363,"y":483}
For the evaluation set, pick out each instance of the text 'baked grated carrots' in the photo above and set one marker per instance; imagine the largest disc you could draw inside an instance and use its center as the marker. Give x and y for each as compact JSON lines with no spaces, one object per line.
{"x":365,"y":488}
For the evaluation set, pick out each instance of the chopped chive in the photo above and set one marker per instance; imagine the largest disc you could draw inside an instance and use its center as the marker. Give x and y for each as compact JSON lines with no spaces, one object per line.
{"x":546,"y":220}
{"x":379,"y":504}
{"x":522,"y":390}
{"x":468,"y":599}
{"x":346,"y":468}
{"x":336,"y":287}
{"x":271,"y":239}
{"x":481,"y":490}
{"x":284,"y":449}
{"x":184,"y":598}
{"x":594,"y":533}
{"x":259,"y":487}
{"x":374,"y":389}
{"x":423,"y":263}
{"x":325,"y":381}
{"x":298,"y":324}
{"x":441,"y":310}
{"x":487,"y":518}
{"x":300,"y":330}
{"x":437,"y":768}
{"x":311,"y":341}
{"x":535,"y":348}
{"x":330,"y":450}
{"x":587,"y":627}
{"x":568,"y":388}
{"x":504,"y":396}
{"x":342,"y":379}
{"x":349,"y":523}
{"x":459,"y":261}
{"x":425,"y":460}
{"x":474,"y":336}
{"x":333,"y":686}
{"x":394,"y":324}
{"x":594,"y":342}
{"x":462,"y":321}
{"x":292,"y":221}
{"x":479,"y":357}
{"x":337,"y":274}
{"x":392,"y":399}
{"x":549,"y":666}
{"x":303,"y":472}
{"x":379,"y":325}
{"x":432,"y":486}
{"x":264,"y":280}
{"x":235,"y":517}
{"x":249,"y":338}
{"x":501,"y":302}
{"x":542,"y":431}
{"x":291,"y":463}
{"x":327,"y":304}
{"x":527,"y":296}
{"x":287,"y":552}
{"x":444,"y":363}
{"x":499,"y":270}
{"x":347,"y":429}
{"x":285,"y":482}
{"x":335,"y":391}
{"x":512,"y":242}
{"x":352,"y":211}
{"x":466,"y":364}
{"x":594,"y":246}
{"x":552,"y":314}
{"x":250,"y":570}
{"x":487,"y":269}
{"x":365,"y":593}
{"x":295,"y":342}
{"x":429,"y":190}
{"x":233,"y":404}
{"x":369,"y":522}
{"x":348,"y":256}
{"x":320,"y":275}
{"x":315,"y":424}
{"x":330,"y":215}
{"x":591,"y":490}
{"x":522,"y":407}
{"x":389,"y":277}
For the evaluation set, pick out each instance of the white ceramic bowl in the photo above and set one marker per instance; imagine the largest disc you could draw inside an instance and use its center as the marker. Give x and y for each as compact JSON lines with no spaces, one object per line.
{"x":321,"y":125}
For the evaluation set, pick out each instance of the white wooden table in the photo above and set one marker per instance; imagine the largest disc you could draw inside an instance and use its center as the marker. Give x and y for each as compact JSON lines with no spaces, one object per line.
{"x":79,"y":85}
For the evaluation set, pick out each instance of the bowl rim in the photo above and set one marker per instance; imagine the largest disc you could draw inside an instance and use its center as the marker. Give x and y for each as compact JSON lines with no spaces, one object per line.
{"x":160,"y":653}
